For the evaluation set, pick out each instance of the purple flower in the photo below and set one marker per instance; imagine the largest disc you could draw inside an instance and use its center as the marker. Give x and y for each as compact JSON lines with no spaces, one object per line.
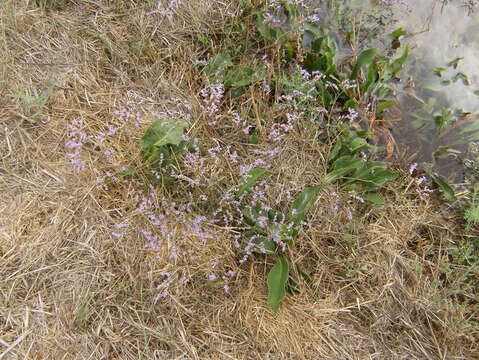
{"x":413,"y":168}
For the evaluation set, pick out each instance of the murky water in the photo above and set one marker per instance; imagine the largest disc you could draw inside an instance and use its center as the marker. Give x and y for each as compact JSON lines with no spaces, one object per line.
{"x":442,"y":33}
{"x":438,"y":113}
{"x":437,"y":116}
{"x":436,"y":119}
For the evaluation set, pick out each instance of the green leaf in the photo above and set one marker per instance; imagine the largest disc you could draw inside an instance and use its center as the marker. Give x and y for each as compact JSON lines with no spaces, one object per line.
{"x":384,"y":105}
{"x":34,"y":101}
{"x":454,"y":63}
{"x":242,"y":76}
{"x":461,"y":76}
{"x":439,"y":70}
{"x":262,"y":245}
{"x":303,"y":203}
{"x":358,"y":144}
{"x":374,"y":198}
{"x":267,"y":32}
{"x":128,"y":172}
{"x":448,"y":192}
{"x":277,"y":279}
{"x":348,"y":162}
{"x":471,"y":215}
{"x":397,"y":64}
{"x":218,"y":65}
{"x":337,"y":174}
{"x":371,"y":181}
{"x":351,"y":104}
{"x":252,"y":176}
{"x":371,"y":77}
{"x":313,"y":29}
{"x":163,"y":131}
{"x":253,"y":139}
{"x":398,"y":33}
{"x":365,"y":58}
{"x":349,"y":240}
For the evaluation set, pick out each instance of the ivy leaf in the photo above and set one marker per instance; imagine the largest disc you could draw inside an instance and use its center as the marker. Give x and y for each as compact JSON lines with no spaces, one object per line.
{"x":277,"y":279}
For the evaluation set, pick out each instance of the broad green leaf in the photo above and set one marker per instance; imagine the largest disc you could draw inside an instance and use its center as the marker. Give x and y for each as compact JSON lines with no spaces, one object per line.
{"x":371,"y":77}
{"x":358,"y":144}
{"x":303,"y":203}
{"x":252,"y":176}
{"x":365,"y":58}
{"x":242,"y":76}
{"x":348,"y":162}
{"x":402,"y":59}
{"x":163,"y":131}
{"x":384,"y":105}
{"x":277,"y":279}
{"x":251,"y":216}
{"x":367,"y":170}
{"x":263,"y":245}
{"x":374,"y":198}
{"x":335,"y":151}
{"x":267,"y":32}
{"x":218,"y":65}
{"x":337,"y":174}
{"x":448,"y":192}
{"x":370,"y":182}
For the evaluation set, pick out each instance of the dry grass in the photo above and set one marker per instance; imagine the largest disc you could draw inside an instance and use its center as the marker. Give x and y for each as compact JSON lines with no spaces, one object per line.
{"x":70,"y":290}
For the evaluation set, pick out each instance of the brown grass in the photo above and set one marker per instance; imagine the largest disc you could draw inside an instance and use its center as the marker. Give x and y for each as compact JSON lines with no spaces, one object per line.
{"x":71,"y":291}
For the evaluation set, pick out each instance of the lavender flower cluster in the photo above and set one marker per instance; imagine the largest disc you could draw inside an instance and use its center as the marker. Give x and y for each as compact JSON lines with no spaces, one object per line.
{"x":422,"y":188}
{"x":167,"y":10}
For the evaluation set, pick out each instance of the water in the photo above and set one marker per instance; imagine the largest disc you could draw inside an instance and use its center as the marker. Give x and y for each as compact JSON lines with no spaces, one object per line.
{"x":439,"y":114}
{"x":437,"y":117}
